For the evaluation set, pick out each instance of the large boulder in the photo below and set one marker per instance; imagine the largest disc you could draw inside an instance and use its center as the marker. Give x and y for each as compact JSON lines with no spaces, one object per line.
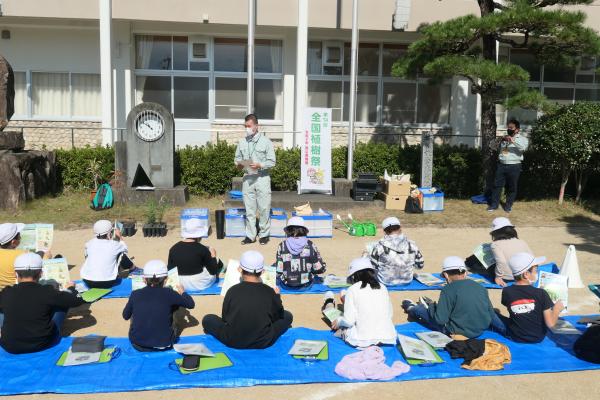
{"x":7,"y":93}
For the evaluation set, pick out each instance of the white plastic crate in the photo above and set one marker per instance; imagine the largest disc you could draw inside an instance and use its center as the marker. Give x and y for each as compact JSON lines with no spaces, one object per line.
{"x":235,"y":222}
{"x":278,"y":222}
{"x":433,"y":199}
{"x":200,"y":214}
{"x":319,"y":224}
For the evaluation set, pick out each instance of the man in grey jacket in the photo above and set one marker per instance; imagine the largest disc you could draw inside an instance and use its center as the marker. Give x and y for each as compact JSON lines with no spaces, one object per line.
{"x":511,"y":150}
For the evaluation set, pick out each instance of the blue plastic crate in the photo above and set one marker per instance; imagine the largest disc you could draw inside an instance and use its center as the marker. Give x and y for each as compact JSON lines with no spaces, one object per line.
{"x":432,"y":201}
{"x":196,"y":213}
{"x":235,"y":222}
{"x":320,"y":225}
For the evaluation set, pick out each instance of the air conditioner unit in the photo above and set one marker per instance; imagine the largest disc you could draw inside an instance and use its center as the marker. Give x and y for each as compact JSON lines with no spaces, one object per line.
{"x":198,"y":48}
{"x":333,"y":54}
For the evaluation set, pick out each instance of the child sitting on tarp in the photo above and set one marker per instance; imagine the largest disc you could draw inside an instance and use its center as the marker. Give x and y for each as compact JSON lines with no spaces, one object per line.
{"x":531,"y":309}
{"x":368,"y":310}
{"x":297,"y":259}
{"x":395,"y":257}
{"x":197,"y":265}
{"x":105,"y":258}
{"x":463,"y":308}
{"x":505,"y":244}
{"x":151,"y":310}
{"x":33,"y":313}
{"x":253,"y":315}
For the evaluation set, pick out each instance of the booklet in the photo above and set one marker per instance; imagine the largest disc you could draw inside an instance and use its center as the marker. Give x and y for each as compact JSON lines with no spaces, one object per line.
{"x":435,"y":339}
{"x":138,"y":282}
{"x":307,"y":348}
{"x":195,"y":349}
{"x":334,"y":281}
{"x":332,"y":313}
{"x":232,"y":276}
{"x":220,"y":360}
{"x":269,"y":277}
{"x":417,"y":349}
{"x":78,"y":358}
{"x":57,"y":270}
{"x":37,"y":237}
{"x":556,"y":286}
{"x":429,"y":279}
{"x":565,"y":328}
{"x":91,"y":295}
{"x":478,"y":279}
{"x":484,"y":254}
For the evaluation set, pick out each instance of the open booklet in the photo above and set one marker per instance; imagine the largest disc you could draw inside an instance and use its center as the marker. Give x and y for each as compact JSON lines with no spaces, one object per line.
{"x":137,"y":281}
{"x":435,"y":339}
{"x":334,"y":281}
{"x":332,"y":313}
{"x":269,"y":276}
{"x":232,"y":276}
{"x":307,"y":348}
{"x":429,"y":279}
{"x":415,"y":349}
{"x":556,"y":286}
{"x":57,"y":270}
{"x":37,"y":237}
{"x":484,"y":255}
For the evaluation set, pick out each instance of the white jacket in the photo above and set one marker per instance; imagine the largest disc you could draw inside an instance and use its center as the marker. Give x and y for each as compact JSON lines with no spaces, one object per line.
{"x":101,"y":259}
{"x":368,"y":316}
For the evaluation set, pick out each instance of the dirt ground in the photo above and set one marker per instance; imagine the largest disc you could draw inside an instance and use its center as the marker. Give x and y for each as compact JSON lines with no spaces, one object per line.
{"x":104,"y":317}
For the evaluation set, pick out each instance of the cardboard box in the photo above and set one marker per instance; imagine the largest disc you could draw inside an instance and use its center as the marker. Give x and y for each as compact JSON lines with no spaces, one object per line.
{"x":395,"y":188}
{"x":394,"y":202}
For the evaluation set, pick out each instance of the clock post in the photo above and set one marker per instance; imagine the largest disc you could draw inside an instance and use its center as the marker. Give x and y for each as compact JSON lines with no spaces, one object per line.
{"x":145,"y":157}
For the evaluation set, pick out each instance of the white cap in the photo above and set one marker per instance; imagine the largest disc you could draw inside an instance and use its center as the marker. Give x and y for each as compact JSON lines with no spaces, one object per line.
{"x":500,"y":222}
{"x":296,"y":221}
{"x":28,"y":261}
{"x":155,"y":268}
{"x":521,"y":262}
{"x":252,"y":261}
{"x":390,"y":221}
{"x":358,"y":264}
{"x":452,"y":263}
{"x":193,"y":228}
{"x":102,"y":227}
{"x":9,"y":231}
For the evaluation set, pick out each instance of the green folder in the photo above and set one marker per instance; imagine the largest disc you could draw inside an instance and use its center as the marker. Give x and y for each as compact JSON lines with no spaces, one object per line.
{"x":322,"y":356}
{"x":105,"y":357}
{"x":416,"y":361}
{"x":91,"y":295}
{"x":220,"y":360}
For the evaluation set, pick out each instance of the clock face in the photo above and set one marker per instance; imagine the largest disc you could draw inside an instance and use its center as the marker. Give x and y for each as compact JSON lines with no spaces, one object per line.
{"x":149,"y":126}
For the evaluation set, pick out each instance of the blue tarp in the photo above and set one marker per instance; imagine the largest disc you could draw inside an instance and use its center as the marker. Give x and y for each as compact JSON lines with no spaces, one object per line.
{"x":123,"y":289}
{"x":133,"y":371}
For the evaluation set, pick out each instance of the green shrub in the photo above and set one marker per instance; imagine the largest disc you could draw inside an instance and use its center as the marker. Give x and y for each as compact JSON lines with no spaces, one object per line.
{"x":72,"y":166}
{"x":286,"y":172}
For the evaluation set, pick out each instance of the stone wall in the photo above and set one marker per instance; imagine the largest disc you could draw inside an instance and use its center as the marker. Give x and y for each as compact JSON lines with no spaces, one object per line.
{"x":54,"y":135}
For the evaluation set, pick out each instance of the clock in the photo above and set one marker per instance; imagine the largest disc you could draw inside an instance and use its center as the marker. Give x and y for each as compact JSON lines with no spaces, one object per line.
{"x":149,"y":125}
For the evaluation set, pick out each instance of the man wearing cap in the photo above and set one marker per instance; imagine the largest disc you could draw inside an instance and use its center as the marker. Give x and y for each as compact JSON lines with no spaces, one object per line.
{"x":197,"y":265}
{"x":395,"y":257}
{"x":531,"y":309}
{"x":253,"y":316}
{"x":298,"y":260}
{"x":505,"y":244}
{"x":104,"y":257}
{"x":256,"y":156}
{"x":33,"y":313}
{"x":463,"y":308}
{"x":10,"y":238}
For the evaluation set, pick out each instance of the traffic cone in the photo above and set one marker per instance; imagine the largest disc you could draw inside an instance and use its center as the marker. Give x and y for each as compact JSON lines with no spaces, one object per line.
{"x":570,"y":269}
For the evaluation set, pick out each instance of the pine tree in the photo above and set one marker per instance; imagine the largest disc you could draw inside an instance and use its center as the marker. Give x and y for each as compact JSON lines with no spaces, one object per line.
{"x":466,"y":46}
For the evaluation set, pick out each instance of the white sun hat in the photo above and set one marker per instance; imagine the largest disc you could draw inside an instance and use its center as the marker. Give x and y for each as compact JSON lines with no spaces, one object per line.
{"x":390,"y":221}
{"x":28,"y":261}
{"x":9,"y":231}
{"x":452,"y":263}
{"x":252,"y":261}
{"x":102,"y":227}
{"x":358,"y":264}
{"x":155,"y":268}
{"x":521,"y":262}
{"x":500,"y":222}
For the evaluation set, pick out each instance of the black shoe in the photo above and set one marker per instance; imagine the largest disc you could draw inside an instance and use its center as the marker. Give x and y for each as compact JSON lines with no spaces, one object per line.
{"x":507,"y":208}
{"x":492,"y":209}
{"x":263,"y":240}
{"x":247,"y":240}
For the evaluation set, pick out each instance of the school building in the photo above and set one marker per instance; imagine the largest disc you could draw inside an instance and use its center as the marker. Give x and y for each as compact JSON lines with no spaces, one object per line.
{"x":191,"y":57}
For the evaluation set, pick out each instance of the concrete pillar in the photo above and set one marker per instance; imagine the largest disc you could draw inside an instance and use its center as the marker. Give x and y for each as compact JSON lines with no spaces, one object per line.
{"x":250,"y":79}
{"x":426,"y":159}
{"x":106,"y":74}
{"x":301,"y":56}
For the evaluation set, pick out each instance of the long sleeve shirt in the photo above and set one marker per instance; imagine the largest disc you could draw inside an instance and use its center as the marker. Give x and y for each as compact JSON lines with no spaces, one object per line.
{"x":512,"y":153}
{"x":259,"y":149}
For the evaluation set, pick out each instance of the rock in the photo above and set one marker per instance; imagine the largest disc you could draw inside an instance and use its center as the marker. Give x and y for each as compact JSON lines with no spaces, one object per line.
{"x":7,"y":93}
{"x":12,"y":141}
{"x":26,"y":176}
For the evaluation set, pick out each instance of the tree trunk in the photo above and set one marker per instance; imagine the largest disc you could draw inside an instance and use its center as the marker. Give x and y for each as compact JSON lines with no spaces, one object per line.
{"x":488,"y":106}
{"x":580,"y":181}
{"x":563,"y":183}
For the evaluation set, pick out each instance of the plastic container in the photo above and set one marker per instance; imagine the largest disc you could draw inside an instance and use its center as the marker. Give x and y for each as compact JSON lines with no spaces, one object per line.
{"x":278,"y":222}
{"x":433,"y":199}
{"x":235,"y":222}
{"x":319,"y":224}
{"x":200,"y":214}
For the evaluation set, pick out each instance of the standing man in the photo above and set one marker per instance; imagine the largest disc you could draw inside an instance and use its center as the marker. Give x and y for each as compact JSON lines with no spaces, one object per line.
{"x":511,"y":150}
{"x":256,"y":156}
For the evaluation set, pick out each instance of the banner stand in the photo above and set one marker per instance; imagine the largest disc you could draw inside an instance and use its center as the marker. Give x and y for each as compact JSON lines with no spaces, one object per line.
{"x":315,"y":162}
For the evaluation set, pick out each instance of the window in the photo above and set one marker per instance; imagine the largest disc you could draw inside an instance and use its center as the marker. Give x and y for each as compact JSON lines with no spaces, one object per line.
{"x":559,"y":74}
{"x":268,"y":99}
{"x":230,"y":55}
{"x":366,"y":102}
{"x":368,"y":59}
{"x":582,"y":94}
{"x":20,"y":94}
{"x":268,"y":56}
{"x":314,"y":58}
{"x":86,"y":95}
{"x":180,"y":53}
{"x":526,"y":61}
{"x":153,"y":52}
{"x":230,"y":98}
{"x":326,"y":94}
{"x":560,"y":95}
{"x":190,"y":97}
{"x":399,"y":102}
{"x":391,"y":54}
{"x":433,"y":105}
{"x":156,"y":89}
{"x":50,"y":94}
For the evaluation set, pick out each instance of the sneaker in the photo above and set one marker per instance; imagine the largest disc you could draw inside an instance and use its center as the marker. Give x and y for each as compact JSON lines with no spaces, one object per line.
{"x":507,"y":209}
{"x":491,"y":209}
{"x":247,"y":240}
{"x":263,"y":240}
{"x":407,"y":305}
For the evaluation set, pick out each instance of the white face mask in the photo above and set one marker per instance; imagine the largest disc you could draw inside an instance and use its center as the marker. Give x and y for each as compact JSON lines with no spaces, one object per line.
{"x":249,"y":132}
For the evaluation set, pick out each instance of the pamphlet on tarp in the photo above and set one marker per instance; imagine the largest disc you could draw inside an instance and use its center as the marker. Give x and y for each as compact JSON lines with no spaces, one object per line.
{"x":416,"y":349}
{"x":556,"y":286}
{"x":269,"y":276}
{"x":37,"y":237}
{"x":484,"y":254}
{"x":435,"y":339}
{"x":81,"y":358}
{"x":57,"y":270}
{"x":334,"y":281}
{"x":232,"y":276}
{"x":307,"y":347}
{"x":429,"y":279}
{"x":193,"y":349}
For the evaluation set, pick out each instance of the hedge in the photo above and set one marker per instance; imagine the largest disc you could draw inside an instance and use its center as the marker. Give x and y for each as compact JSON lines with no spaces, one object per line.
{"x":209,"y":169}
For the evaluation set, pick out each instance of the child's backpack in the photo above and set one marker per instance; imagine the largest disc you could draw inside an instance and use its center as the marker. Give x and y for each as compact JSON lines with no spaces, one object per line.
{"x":587,"y":347}
{"x":103,"y":198}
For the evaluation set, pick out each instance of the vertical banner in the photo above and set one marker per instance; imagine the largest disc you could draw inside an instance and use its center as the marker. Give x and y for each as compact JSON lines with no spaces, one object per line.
{"x":315,"y":169}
